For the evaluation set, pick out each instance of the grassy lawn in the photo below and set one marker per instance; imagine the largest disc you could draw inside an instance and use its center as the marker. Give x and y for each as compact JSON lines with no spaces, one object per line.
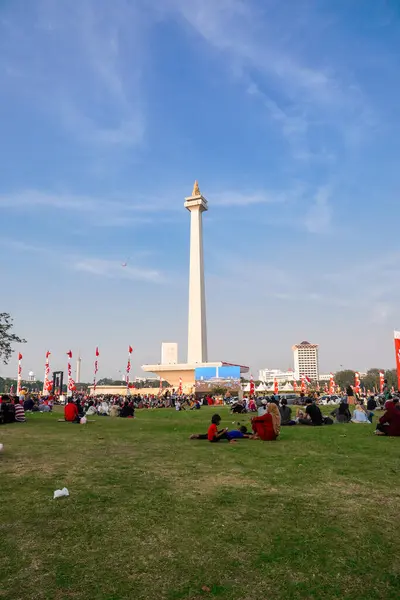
{"x":154,"y":515}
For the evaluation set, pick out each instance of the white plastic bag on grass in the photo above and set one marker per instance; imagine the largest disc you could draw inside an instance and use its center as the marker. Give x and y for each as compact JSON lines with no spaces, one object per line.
{"x":60,"y":493}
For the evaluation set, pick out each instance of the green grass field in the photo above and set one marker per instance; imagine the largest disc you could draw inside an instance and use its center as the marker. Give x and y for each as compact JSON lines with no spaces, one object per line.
{"x":152,"y":514}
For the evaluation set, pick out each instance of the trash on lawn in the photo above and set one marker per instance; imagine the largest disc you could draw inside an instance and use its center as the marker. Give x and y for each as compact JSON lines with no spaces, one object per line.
{"x":61,"y":493}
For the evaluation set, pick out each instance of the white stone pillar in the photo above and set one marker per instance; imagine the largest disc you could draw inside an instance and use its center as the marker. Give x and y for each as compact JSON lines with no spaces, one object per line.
{"x":197,"y":329}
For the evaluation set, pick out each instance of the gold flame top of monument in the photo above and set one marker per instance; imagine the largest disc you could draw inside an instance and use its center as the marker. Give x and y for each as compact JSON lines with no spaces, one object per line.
{"x":196,"y":189}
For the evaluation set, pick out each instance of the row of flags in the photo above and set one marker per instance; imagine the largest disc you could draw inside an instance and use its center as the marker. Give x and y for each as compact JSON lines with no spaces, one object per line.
{"x":71,"y":385}
{"x":333,"y":387}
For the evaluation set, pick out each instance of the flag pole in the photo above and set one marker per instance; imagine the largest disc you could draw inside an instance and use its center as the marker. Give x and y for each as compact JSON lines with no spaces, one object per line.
{"x":96,"y":368}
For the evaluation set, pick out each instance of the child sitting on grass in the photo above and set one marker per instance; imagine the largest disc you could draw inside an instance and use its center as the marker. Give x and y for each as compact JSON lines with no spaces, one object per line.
{"x":213,"y":435}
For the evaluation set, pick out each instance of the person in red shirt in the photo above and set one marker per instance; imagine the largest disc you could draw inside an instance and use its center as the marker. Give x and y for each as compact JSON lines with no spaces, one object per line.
{"x":389,"y":424}
{"x":213,"y":435}
{"x":71,"y":412}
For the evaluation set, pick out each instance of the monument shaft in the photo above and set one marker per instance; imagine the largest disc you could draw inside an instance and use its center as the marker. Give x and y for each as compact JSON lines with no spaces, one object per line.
{"x":197,"y":329}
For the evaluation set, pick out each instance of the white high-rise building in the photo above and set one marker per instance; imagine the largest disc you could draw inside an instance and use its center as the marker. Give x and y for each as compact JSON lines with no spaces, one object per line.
{"x":306,"y":360}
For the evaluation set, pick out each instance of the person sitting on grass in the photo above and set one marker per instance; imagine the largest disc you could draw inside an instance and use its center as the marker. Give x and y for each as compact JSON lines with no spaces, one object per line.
{"x":115,"y":410}
{"x":91,"y":409}
{"x":313,"y":414}
{"x":342,"y":412}
{"x":267,"y":427}
{"x":359,"y":415}
{"x":213,"y":435}
{"x":127,"y":411}
{"x":389,"y":423}
{"x":196,"y":405}
{"x":28,"y":404}
{"x":71,"y":412}
{"x":19,"y":412}
{"x":238,"y":408}
{"x":286,"y":413}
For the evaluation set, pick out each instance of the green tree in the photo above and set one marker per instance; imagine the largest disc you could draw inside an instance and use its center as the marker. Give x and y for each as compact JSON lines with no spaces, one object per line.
{"x":344,"y":378}
{"x":7,"y":339}
{"x":218,"y":390}
{"x":371,"y":379}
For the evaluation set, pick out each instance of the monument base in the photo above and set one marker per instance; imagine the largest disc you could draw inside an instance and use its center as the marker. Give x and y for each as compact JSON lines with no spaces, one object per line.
{"x":185,"y":373}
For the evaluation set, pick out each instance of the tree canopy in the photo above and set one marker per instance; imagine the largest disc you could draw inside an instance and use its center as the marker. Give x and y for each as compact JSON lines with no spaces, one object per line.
{"x":7,"y":338}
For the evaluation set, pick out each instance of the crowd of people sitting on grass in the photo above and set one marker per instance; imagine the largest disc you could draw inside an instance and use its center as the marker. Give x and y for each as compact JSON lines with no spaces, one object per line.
{"x":272,"y":413}
{"x":275,"y":414}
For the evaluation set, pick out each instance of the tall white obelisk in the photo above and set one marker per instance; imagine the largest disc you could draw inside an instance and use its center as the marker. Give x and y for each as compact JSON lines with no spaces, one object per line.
{"x":197,"y":330}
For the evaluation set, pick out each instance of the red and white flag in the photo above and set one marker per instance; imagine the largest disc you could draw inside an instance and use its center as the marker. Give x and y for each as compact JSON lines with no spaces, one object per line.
{"x":397,"y":350}
{"x":382,"y":380}
{"x":331,"y":384}
{"x":357,"y":383}
{"x":46,"y":380}
{"x":303,"y":386}
{"x":252,"y":387}
{"x":96,"y":369}
{"x":19,"y":377}
{"x":71,"y":387}
{"x":128,"y":366}
{"x":180,"y":388}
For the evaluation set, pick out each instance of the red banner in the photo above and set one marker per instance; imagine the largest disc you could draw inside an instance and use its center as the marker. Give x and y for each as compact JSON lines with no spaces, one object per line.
{"x":252,"y":389}
{"x":331,"y":384}
{"x":303,"y":386}
{"x":276,"y":386}
{"x":397,"y":348}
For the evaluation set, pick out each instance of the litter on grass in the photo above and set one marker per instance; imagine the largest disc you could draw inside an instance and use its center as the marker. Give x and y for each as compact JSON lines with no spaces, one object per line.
{"x":60,"y":493}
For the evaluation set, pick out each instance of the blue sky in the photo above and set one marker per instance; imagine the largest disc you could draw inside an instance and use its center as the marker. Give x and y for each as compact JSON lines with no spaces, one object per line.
{"x":287,"y":114}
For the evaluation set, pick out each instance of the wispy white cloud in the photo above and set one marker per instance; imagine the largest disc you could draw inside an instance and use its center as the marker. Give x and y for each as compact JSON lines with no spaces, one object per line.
{"x":118,"y":211}
{"x":319,"y":216}
{"x":265,"y":50}
{"x":116,"y":270}
{"x":80,"y":63}
{"x":241,"y":198}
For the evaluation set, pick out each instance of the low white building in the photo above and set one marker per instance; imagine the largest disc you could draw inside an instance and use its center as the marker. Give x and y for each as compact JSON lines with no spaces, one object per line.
{"x":269,"y":375}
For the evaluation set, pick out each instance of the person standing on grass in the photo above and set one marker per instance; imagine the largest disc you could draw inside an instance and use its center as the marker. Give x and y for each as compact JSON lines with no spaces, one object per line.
{"x":71,"y":412}
{"x":19,"y":412}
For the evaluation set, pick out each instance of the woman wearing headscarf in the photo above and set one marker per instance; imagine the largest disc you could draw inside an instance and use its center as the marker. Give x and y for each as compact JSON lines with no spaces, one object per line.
{"x":342,"y":413}
{"x":268,"y":426}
